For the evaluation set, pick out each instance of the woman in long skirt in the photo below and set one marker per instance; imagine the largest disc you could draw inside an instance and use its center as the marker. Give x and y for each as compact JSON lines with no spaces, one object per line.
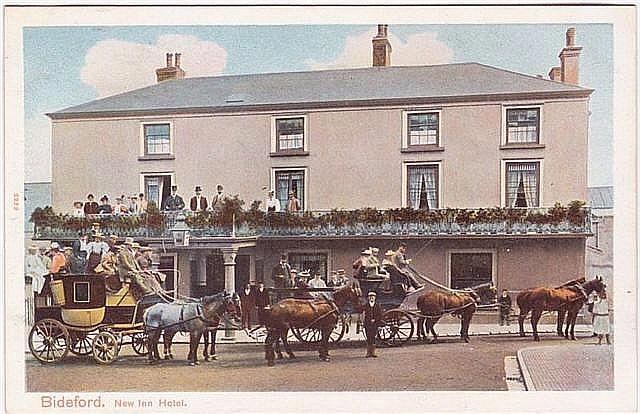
{"x":601,"y":317}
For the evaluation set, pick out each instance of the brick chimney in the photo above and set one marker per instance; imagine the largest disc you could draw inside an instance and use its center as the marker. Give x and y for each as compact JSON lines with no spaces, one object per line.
{"x":569,"y":69}
{"x":381,"y":47}
{"x":172,"y":70}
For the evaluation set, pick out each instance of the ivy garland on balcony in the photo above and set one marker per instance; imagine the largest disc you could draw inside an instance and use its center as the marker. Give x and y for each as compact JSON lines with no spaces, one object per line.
{"x":232,"y":212}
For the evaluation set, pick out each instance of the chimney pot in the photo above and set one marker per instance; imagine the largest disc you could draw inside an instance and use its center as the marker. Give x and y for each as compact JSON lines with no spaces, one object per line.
{"x":178,"y":59}
{"x":381,"y":47}
{"x":382,"y":30}
{"x":169,"y":59}
{"x":170,"y":71}
{"x":571,"y":37}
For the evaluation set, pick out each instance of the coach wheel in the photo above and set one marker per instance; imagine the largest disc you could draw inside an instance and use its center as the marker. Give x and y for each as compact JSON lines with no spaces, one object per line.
{"x":314,"y":336}
{"x":49,"y":341}
{"x":140,"y":343}
{"x":397,"y":329}
{"x":105,"y":347}
{"x":81,"y":343}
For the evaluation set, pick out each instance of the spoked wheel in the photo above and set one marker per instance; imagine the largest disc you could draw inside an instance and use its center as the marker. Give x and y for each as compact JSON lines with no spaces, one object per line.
{"x":140,"y":343}
{"x":49,"y":341}
{"x":81,"y":343}
{"x":398,"y":328}
{"x":314,"y":336}
{"x":105,"y":347}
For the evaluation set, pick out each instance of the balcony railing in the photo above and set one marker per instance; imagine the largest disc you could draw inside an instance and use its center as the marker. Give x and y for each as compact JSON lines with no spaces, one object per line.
{"x":340,"y":223}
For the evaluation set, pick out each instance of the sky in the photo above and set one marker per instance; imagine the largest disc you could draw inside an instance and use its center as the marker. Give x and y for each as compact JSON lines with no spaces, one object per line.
{"x":66,"y":66}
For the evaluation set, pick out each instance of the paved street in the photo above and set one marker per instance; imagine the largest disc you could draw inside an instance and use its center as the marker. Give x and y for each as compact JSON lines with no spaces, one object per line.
{"x":449,"y":365}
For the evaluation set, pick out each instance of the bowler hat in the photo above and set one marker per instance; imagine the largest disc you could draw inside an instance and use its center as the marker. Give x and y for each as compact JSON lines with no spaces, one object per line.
{"x":198,"y":188}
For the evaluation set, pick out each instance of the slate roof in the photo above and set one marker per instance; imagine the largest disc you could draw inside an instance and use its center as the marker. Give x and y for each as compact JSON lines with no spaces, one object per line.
{"x":601,"y":197}
{"x":328,"y":87}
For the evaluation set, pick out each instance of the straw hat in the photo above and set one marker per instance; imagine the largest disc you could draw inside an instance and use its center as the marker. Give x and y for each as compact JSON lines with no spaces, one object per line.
{"x":135,"y":245}
{"x":113,"y":237}
{"x":374,"y":250}
{"x":128,"y":240}
{"x":33,"y":247}
{"x":146,"y":248}
{"x":389,"y":253}
{"x":365,"y":251}
{"x":55,"y":246}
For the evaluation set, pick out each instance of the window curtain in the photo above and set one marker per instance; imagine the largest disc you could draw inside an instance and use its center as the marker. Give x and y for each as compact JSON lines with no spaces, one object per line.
{"x":418,"y":176}
{"x":522,"y":175}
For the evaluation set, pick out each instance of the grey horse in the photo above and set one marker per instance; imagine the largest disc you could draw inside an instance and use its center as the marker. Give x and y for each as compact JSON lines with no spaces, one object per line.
{"x":193,"y":317}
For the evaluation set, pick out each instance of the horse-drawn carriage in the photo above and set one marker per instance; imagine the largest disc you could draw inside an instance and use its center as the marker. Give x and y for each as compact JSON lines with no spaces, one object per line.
{"x":402,"y":318}
{"x":85,"y":318}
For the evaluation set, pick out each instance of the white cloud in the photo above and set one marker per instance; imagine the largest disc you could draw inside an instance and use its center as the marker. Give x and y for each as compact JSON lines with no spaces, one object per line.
{"x":420,"y":49}
{"x":115,"y":66}
{"x":37,"y":149}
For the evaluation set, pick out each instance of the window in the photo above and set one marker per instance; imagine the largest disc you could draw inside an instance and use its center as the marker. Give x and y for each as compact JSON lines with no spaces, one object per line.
{"x":522,"y":184}
{"x":290,"y":181}
{"x":423,"y":128}
{"x":422,"y":186}
{"x":81,"y":292}
{"x":469,"y":269}
{"x":314,"y":262}
{"x":523,"y":126}
{"x":290,"y":134}
{"x":156,"y":187}
{"x":157,"y":139}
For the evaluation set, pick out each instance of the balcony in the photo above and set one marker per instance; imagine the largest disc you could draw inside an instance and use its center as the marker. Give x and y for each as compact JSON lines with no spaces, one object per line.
{"x":573,"y":220}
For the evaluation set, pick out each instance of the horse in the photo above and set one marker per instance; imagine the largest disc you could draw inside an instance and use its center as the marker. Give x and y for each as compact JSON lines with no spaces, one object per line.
{"x":568,"y":298}
{"x":562,"y":312}
{"x":193,"y":317}
{"x":433,"y":305}
{"x":320,"y":314}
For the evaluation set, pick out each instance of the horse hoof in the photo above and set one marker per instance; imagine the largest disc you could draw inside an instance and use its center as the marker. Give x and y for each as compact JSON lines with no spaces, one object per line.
{"x":213,"y":358}
{"x":167,"y":357}
{"x":170,"y":356}
{"x":270,"y":363}
{"x":536,"y":339}
{"x":280,"y":356}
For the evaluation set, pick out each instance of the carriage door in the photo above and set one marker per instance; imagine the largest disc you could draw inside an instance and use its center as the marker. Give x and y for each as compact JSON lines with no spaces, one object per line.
{"x":471,"y":268}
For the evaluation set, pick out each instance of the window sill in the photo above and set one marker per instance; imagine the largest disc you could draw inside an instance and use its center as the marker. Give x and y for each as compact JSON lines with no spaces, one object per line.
{"x":155,"y":157}
{"x":520,"y":146}
{"x":289,"y":153}
{"x":422,"y":148}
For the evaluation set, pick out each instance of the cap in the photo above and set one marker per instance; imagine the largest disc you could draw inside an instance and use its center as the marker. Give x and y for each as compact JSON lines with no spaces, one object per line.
{"x":372,"y":293}
{"x":198,"y":188}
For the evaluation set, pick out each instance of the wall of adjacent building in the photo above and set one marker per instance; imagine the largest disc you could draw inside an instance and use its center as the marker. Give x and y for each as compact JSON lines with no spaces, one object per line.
{"x":354,"y":160}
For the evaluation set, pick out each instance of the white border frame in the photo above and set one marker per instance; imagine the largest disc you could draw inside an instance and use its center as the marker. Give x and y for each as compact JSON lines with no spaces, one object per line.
{"x":405,"y":174}
{"x":171,"y":137}
{"x":305,"y":138}
{"x":272,"y":182}
{"x":494,"y":262}
{"x":503,"y":123}
{"x":503,"y":179}
{"x":405,"y":129}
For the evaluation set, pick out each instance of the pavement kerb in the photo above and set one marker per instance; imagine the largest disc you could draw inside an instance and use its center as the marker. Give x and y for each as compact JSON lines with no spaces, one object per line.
{"x":526,"y":375}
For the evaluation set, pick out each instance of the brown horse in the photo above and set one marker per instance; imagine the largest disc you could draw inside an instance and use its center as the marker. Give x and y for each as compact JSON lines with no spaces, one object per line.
{"x":562,"y":311}
{"x":303,"y":313}
{"x":569,"y":299}
{"x":433,"y":305}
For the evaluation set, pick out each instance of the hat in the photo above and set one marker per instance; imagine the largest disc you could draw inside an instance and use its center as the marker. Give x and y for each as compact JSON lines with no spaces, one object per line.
{"x":77,"y":203}
{"x":104,"y":197}
{"x":374,"y":250}
{"x":146,"y":248}
{"x":98,"y":235}
{"x":304,"y":274}
{"x":340,"y":272}
{"x":68,"y":248}
{"x":372,"y":293}
{"x":174,"y":187}
{"x":113,"y":237}
{"x":389,"y":253}
{"x":55,"y":246}
{"x":135,"y":245}
{"x":198,"y":188}
{"x":33,"y":247}
{"x":365,"y":251}
{"x":128,"y":240}
{"x":271,"y":191}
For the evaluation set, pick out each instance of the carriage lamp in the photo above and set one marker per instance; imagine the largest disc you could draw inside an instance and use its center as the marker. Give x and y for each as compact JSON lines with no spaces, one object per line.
{"x":180,"y":232}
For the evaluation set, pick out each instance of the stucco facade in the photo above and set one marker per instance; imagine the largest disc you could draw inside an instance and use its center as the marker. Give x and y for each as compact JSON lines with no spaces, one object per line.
{"x":354,"y":155}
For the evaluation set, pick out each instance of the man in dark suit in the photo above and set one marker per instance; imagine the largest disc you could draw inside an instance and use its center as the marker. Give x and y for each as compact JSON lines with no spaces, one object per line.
{"x":372,"y":320}
{"x":90,"y":206}
{"x":198,"y":201}
{"x":247,"y":302}
{"x":174,"y":202}
{"x":281,"y":274}
{"x":262,"y":302}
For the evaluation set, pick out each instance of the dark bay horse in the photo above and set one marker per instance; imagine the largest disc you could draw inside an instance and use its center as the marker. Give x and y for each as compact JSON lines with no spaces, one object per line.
{"x":562,"y":311}
{"x":192,"y":317}
{"x":433,"y":305}
{"x":304,"y":313}
{"x":569,"y":299}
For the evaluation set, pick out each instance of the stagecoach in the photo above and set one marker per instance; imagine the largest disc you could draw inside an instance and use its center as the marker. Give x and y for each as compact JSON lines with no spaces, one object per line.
{"x":401,"y":315}
{"x":87,"y":319}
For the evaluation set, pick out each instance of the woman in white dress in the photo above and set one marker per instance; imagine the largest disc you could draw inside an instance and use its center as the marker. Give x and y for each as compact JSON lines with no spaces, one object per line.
{"x":601,"y":317}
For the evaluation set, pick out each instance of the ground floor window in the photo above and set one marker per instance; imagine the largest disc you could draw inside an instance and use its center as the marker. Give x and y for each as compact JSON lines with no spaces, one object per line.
{"x":314,"y":262}
{"x":470,"y":268}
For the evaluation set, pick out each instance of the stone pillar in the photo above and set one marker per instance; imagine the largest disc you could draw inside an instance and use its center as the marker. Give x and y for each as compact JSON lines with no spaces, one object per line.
{"x":229,"y":281}
{"x":202,"y":269}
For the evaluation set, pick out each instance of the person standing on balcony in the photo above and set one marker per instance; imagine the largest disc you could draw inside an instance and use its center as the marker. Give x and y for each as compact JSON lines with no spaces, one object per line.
{"x":218,"y":199}
{"x":272,"y":204}
{"x":120,"y":207}
{"x":105,"y":207}
{"x":173,"y":202}
{"x":143,"y":204}
{"x":293,"y":205}
{"x":90,"y":206}
{"x":198,"y":201}
{"x":78,"y":210}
